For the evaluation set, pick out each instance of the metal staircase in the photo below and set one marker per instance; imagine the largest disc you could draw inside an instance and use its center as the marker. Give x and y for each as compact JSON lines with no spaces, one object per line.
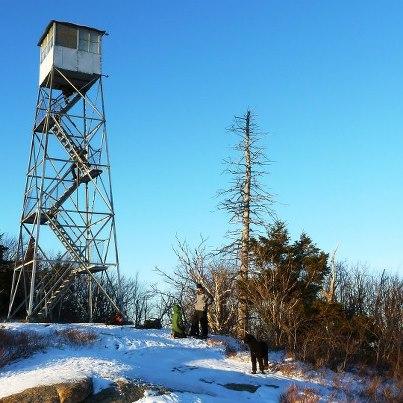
{"x":61,"y":106}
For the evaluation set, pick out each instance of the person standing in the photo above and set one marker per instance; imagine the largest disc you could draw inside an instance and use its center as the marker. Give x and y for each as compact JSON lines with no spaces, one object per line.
{"x":75,"y":171}
{"x":199,"y":319}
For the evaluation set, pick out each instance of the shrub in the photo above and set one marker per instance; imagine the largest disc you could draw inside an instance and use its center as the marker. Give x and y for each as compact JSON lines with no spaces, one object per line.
{"x":77,"y":337}
{"x":377,"y":389}
{"x":15,"y":345}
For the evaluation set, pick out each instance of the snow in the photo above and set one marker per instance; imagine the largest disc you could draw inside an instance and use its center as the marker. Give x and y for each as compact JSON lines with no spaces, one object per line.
{"x":193,"y":370}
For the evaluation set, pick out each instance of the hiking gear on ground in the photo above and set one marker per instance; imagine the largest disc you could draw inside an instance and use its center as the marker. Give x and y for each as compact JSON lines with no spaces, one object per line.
{"x":178,"y":328}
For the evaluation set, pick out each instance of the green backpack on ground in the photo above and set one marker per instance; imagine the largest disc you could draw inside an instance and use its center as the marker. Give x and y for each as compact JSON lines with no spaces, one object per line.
{"x":178,"y":328}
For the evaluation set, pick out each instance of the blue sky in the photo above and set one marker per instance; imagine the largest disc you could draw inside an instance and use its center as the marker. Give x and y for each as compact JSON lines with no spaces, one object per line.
{"x":324,"y":78}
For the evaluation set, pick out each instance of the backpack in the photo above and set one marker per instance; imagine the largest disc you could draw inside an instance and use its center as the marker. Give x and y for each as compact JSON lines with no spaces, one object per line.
{"x":178,"y":328}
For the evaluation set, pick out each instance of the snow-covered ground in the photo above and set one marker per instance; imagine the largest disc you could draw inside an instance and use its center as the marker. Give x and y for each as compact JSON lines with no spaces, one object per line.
{"x":194,"y":370}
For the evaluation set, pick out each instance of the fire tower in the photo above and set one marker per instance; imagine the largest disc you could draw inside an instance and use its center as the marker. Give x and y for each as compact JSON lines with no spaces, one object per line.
{"x":68,"y":204}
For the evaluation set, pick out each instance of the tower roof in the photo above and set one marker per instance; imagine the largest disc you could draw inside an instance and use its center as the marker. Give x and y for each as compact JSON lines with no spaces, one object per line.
{"x":70,"y":24}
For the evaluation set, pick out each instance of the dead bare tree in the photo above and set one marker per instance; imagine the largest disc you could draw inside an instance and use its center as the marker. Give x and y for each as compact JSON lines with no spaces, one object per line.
{"x":329,"y":292}
{"x":162,"y":305}
{"x":246,"y":201}
{"x":197,"y":265}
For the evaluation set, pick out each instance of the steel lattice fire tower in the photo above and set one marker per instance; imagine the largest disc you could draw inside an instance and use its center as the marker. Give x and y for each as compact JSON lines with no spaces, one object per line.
{"x":68,"y":203}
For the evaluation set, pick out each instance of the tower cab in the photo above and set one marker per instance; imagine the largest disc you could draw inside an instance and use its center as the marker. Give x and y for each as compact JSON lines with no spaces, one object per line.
{"x":69,"y":51}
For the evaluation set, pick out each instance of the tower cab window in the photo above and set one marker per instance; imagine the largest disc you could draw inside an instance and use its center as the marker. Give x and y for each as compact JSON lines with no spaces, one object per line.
{"x":88,"y":41}
{"x":66,"y":36}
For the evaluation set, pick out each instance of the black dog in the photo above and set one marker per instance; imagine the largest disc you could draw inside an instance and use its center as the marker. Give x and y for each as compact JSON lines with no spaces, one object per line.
{"x":258,"y":350}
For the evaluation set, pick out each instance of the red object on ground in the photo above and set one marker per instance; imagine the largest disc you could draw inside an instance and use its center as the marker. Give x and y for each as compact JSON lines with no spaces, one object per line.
{"x":118,"y":319}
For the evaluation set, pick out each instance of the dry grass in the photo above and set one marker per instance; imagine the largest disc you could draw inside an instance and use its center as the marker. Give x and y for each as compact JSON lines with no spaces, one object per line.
{"x":289,"y":355}
{"x":15,"y":345}
{"x":372,"y":388}
{"x":379,"y":390}
{"x":288,"y":368}
{"x":391,"y":394}
{"x":337,"y":381}
{"x":77,"y":337}
{"x":295,"y":394}
{"x":214,"y":342}
{"x":230,"y":351}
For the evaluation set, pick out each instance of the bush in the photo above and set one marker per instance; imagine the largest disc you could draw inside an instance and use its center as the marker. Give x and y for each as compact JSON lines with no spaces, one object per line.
{"x":77,"y":337}
{"x":15,"y":345}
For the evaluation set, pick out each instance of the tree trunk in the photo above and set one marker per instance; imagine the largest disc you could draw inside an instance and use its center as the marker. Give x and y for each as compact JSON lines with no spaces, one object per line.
{"x":244,"y":266}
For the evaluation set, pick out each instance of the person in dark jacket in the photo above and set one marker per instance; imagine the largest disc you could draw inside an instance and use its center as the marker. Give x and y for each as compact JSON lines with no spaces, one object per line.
{"x":178,"y":328}
{"x":75,"y":172}
{"x":199,"y":320}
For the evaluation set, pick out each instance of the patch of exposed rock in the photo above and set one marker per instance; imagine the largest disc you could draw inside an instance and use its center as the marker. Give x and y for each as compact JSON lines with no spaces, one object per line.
{"x":123,"y":391}
{"x":68,"y":392}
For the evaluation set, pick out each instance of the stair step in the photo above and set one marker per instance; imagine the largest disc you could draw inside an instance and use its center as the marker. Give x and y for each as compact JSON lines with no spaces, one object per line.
{"x":70,"y":276}
{"x":40,"y":127}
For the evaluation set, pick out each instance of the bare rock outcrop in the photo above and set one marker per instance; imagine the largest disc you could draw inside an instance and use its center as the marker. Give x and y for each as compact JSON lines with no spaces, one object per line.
{"x":68,"y":392}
